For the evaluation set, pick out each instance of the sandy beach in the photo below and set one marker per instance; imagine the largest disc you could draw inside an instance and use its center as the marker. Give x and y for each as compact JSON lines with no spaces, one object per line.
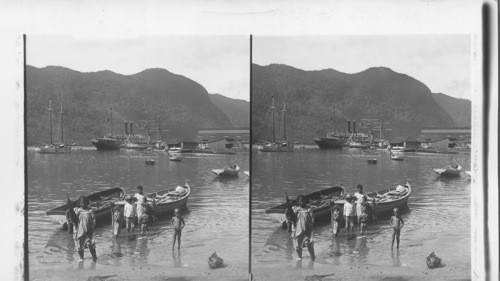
{"x":95,"y":271}
{"x":316,"y":271}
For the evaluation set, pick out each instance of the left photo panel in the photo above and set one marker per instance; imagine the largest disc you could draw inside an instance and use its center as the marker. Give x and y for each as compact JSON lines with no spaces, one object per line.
{"x":138,"y":157}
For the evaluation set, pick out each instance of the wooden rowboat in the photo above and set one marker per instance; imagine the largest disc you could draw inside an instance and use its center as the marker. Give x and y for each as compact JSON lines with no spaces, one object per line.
{"x":388,"y":199}
{"x":166,"y":201}
{"x":150,"y":162}
{"x":228,"y":171}
{"x":319,"y":201}
{"x":450,"y":171}
{"x":100,"y":201}
{"x":372,"y":161}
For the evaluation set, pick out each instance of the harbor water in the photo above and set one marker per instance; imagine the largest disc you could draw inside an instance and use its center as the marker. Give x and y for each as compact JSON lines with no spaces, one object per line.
{"x":438,"y":217}
{"x":216,"y":219}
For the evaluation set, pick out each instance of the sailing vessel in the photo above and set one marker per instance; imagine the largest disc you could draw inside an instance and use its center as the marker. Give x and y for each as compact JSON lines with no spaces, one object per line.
{"x":274,"y":146}
{"x":55,"y":148}
{"x":332,"y":140}
{"x":109,"y":141}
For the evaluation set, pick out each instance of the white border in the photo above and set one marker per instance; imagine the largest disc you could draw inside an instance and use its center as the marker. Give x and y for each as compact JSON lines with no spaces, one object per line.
{"x":126,"y":19}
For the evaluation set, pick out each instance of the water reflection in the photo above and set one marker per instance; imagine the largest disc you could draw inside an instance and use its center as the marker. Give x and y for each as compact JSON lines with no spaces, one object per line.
{"x":176,"y":257}
{"x":395,"y":258}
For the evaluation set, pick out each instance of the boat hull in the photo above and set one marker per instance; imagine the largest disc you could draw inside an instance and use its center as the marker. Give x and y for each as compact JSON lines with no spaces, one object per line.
{"x":54,"y":149}
{"x":320,"y":204}
{"x":99,"y":201}
{"x":277,"y":148}
{"x":329,"y":143}
{"x":105,"y":144}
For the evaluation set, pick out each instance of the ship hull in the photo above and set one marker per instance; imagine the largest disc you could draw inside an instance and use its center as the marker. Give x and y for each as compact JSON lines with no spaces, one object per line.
{"x":329,"y":143}
{"x":106,"y":144}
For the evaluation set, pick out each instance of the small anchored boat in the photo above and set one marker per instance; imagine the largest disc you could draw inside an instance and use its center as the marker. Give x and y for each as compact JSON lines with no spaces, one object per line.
{"x":228,"y":171}
{"x":319,"y":201}
{"x":150,"y":162}
{"x":397,"y":156}
{"x":174,"y":156}
{"x":372,"y":161}
{"x":247,"y":173}
{"x":449,"y":171}
{"x":100,"y":201}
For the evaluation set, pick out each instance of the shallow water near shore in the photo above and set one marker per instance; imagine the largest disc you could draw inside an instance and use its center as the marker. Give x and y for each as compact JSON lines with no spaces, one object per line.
{"x":437,"y":218}
{"x":216,"y":218}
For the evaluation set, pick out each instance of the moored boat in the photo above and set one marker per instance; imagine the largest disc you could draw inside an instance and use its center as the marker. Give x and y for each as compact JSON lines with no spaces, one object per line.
{"x":319,"y":201}
{"x":388,"y":199}
{"x":166,"y":201}
{"x":449,"y":171}
{"x":397,"y":156}
{"x":107,"y":143}
{"x":174,"y":156}
{"x":100,"y":201}
{"x":150,"y":162}
{"x":247,"y":173}
{"x":228,"y":171}
{"x":372,"y":161}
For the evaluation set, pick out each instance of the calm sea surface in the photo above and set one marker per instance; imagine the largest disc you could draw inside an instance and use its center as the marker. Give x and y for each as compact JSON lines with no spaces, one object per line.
{"x":438,"y":218}
{"x":217,"y":219}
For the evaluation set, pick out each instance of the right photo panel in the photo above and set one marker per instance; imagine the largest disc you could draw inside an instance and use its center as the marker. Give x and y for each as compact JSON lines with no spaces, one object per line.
{"x":361,"y":157}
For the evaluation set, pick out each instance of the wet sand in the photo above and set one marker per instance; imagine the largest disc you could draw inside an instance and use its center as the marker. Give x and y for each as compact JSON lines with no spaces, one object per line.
{"x":315,"y":271}
{"x":94,"y":271}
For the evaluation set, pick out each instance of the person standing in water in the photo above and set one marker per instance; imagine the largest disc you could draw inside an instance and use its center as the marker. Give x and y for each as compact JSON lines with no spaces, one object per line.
{"x":396,"y":223}
{"x":85,"y":234}
{"x":178,"y":224}
{"x":360,"y":201}
{"x":303,"y":231}
{"x":349,"y":214}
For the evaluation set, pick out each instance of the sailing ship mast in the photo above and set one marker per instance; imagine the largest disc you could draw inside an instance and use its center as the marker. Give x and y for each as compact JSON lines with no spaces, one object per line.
{"x":61,"y":124}
{"x":50,"y":120}
{"x":284,"y":121}
{"x":333,"y":130}
{"x":272,"y":111}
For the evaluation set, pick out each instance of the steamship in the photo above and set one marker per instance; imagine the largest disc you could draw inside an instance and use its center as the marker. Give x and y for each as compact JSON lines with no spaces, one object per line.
{"x":108,"y":142}
{"x":332,"y":140}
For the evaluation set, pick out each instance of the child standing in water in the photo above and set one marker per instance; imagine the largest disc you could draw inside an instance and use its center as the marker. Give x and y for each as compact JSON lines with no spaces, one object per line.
{"x":397,"y":223}
{"x":117,"y":221}
{"x":335,"y":220}
{"x":363,"y":221}
{"x":178,"y":224}
{"x":146,"y":213}
{"x":349,"y":213}
{"x":129,"y":212}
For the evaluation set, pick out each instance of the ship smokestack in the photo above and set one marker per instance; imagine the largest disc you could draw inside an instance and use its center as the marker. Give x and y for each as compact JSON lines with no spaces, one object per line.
{"x":126,"y":128}
{"x":349,"y":126}
{"x":131,"y":128}
{"x":354,"y":127}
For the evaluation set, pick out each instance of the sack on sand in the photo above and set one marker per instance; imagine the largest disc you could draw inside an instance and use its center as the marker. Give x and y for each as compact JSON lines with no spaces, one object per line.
{"x":433,"y":261}
{"x":214,"y":261}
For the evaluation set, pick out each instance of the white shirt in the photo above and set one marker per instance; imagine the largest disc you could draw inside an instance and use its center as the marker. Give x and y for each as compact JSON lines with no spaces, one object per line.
{"x":349,"y":209}
{"x":128,"y":210}
{"x":139,"y":198}
{"x":360,"y":197}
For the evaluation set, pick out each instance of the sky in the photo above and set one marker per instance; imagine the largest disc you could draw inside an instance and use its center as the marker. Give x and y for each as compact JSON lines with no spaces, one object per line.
{"x":219,"y":63}
{"x":442,"y":62}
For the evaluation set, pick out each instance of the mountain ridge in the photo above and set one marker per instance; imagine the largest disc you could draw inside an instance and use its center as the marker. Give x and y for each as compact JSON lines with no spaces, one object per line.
{"x":179,"y":103}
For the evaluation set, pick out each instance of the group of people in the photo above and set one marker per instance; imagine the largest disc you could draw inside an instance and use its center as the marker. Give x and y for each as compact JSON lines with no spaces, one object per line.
{"x":356,"y":210}
{"x":82,"y":224}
